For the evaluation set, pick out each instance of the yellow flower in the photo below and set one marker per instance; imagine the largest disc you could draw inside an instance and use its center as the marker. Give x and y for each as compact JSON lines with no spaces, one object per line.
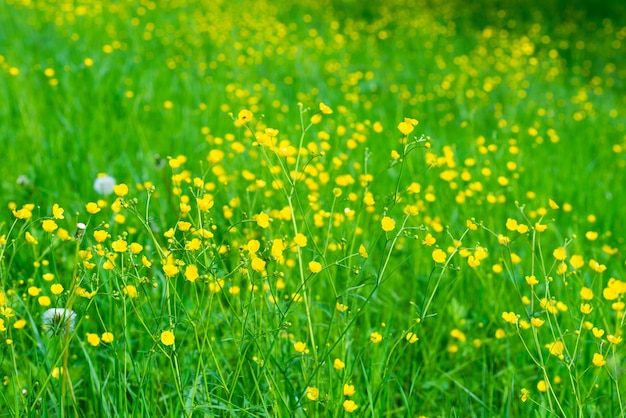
{"x":338,"y":364}
{"x":244,"y":116}
{"x":559,"y":253}
{"x":191,"y":273}
{"x":183,"y":226}
{"x":577,"y":261}
{"x":531,"y":280}
{"x":25,"y":212}
{"x":119,"y":246}
{"x":107,"y":337}
{"x":439,"y":256}
{"x":136,"y":248}
{"x":348,"y":390}
{"x":101,"y":235}
{"x":586,"y":293}
{"x":300,"y":240}
{"x":524,"y":393}
{"x":556,"y":348}
{"x":553,"y":204}
{"x":49,"y":225}
{"x":56,"y":289}
{"x":388,"y":224}
{"x":92,"y":208}
{"x":325,"y":109}
{"x":312,"y":393}
{"x":411,"y":337}
{"x":429,"y":240}
{"x":130,"y":291}
{"x":170,"y":270}
{"x":258,"y":264}
{"x":300,"y":347}
{"x":509,"y":317}
{"x":598,"y":360}
{"x":120,"y":190}
{"x":93,"y":339}
{"x":458,"y":334}
{"x":349,"y":406}
{"x":375,"y":337}
{"x":30,"y":239}
{"x":542,"y":386}
{"x":253,"y":246}
{"x":537,"y":322}
{"x":406,"y":127}
{"x":57,"y":212}
{"x":597,"y":332}
{"x":315,"y":267}
{"x":614,"y":339}
{"x":193,"y":245}
{"x":586,"y":308}
{"x":19,"y":324}
{"x":263,"y":220}
{"x":363,"y":251}
{"x":167,"y":338}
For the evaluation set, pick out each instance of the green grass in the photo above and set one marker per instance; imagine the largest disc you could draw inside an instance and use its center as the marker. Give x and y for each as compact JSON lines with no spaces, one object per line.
{"x":520,"y":118}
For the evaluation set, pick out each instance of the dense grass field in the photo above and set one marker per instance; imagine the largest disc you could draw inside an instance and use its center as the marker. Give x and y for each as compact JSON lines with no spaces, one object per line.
{"x":314,"y":208}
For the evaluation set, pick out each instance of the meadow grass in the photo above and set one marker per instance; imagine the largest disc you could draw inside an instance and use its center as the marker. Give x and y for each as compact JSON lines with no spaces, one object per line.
{"x":312,"y":209}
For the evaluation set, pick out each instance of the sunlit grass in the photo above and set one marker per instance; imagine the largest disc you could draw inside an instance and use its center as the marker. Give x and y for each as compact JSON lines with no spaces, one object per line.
{"x":312,"y":209}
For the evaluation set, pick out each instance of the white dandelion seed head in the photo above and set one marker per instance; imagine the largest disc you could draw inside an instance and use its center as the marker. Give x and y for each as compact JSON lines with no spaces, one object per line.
{"x":58,"y":320}
{"x":104,"y":184}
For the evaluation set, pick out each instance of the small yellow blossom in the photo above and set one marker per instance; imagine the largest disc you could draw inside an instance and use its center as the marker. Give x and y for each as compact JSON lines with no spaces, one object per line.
{"x":57,"y":212}
{"x":439,"y":256}
{"x":338,"y":364}
{"x":120,"y":190}
{"x":92,"y":208}
{"x":375,"y":337}
{"x":559,"y":253}
{"x":586,"y":293}
{"x":537,"y":322}
{"x":244,"y":116}
{"x":130,"y":291}
{"x":598,"y":360}
{"x":258,"y":264}
{"x":510,"y":317}
{"x":93,"y":339}
{"x":349,"y":406}
{"x":312,"y":393}
{"x":191,"y":273}
{"x":542,"y":386}
{"x":30,"y":239}
{"x":56,"y":289}
{"x":325,"y":109}
{"x":388,"y":224}
{"x":167,"y":338}
{"x":315,"y":267}
{"x":263,"y":220}
{"x":614,"y":339}
{"x":531,"y":280}
{"x":49,"y":225}
{"x":119,"y":246}
{"x":170,"y":270}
